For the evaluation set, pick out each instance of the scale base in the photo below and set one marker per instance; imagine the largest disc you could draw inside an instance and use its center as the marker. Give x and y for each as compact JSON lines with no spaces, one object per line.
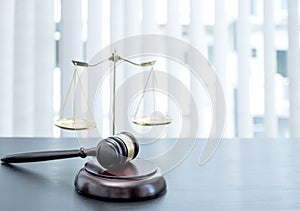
{"x":138,"y":180}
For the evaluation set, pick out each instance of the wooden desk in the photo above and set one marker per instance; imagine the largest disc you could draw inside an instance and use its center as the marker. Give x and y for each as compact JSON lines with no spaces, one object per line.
{"x":244,"y":174}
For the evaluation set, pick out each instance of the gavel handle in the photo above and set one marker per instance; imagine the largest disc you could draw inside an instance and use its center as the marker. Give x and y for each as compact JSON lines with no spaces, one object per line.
{"x":43,"y":156}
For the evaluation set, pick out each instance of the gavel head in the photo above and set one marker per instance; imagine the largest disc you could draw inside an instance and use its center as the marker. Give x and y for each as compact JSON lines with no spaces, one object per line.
{"x":117,"y":150}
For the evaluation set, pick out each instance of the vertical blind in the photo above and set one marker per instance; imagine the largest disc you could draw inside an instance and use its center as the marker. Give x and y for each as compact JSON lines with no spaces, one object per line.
{"x":253,"y":45}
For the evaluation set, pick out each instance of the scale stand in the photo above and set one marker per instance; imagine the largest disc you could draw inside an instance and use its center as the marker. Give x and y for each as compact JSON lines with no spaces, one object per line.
{"x":83,"y":124}
{"x":138,"y":180}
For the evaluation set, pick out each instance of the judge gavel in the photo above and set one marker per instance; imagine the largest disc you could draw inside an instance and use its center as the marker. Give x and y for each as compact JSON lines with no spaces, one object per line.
{"x":111,"y":152}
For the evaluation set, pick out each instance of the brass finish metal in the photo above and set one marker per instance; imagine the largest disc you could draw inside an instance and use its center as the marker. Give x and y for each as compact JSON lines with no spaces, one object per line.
{"x":74,"y":124}
{"x":114,"y":58}
{"x":151,"y":120}
{"x":129,"y":144}
{"x":156,"y":118}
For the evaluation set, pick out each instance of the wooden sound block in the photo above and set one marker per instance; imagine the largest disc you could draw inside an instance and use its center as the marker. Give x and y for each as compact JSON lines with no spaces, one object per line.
{"x":137,"y":180}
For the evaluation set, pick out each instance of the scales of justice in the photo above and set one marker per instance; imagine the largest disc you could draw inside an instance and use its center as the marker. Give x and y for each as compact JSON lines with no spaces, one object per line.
{"x":119,"y":176}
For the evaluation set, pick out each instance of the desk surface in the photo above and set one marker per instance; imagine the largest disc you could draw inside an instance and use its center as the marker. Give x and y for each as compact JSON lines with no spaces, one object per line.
{"x":243,"y":174}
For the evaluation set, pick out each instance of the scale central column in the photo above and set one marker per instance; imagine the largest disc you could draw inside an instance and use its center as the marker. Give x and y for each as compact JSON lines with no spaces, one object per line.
{"x":115,"y":59}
